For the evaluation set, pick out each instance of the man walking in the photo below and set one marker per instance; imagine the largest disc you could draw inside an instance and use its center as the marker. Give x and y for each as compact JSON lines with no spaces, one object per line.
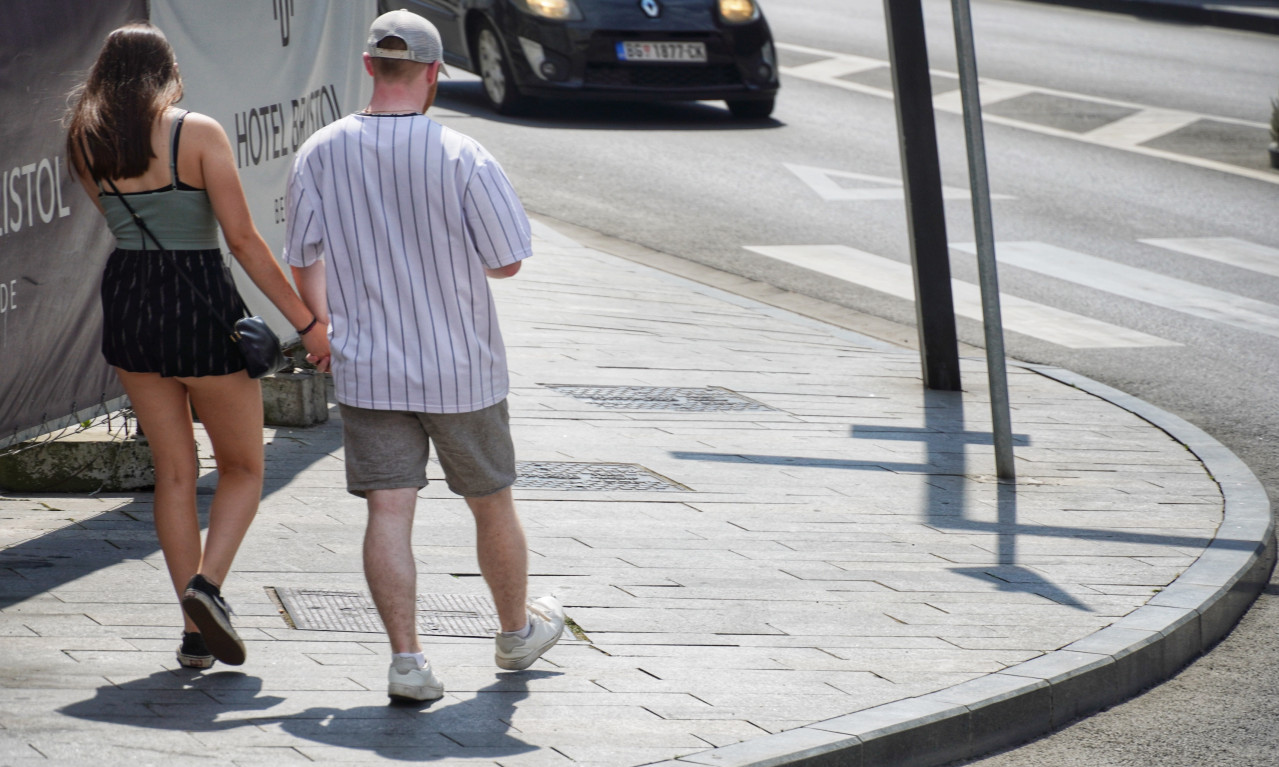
{"x":394,"y":224}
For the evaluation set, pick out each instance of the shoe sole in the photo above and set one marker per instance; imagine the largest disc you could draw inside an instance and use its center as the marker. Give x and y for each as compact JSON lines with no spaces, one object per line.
{"x":406,"y":694}
{"x":521,"y":663}
{"x":195,"y":661}
{"x":220,"y":638}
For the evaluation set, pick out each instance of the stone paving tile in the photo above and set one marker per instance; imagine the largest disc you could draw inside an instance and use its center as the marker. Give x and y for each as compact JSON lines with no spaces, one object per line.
{"x":509,"y":750}
{"x":128,"y":753}
{"x":829,"y":565}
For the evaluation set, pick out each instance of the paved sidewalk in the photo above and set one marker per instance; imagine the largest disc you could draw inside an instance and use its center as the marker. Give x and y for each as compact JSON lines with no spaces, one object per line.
{"x":775,"y":546}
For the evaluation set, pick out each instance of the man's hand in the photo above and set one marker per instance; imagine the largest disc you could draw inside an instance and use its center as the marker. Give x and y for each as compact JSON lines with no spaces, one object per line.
{"x":503,"y":272}
{"x":322,"y":364}
{"x":316,"y":341}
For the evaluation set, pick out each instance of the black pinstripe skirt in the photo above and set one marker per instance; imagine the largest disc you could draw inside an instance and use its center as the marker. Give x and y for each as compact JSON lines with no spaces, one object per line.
{"x":153,"y":322}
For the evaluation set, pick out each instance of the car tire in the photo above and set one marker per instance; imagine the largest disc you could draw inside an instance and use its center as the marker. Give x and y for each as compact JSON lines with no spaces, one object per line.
{"x":754,"y":109}
{"x":495,"y":73}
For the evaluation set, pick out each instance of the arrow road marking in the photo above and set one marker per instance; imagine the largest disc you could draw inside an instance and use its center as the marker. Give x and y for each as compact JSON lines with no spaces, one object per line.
{"x":1226,"y":250}
{"x":824,"y":182}
{"x":1026,"y":317}
{"x":1139,"y":285}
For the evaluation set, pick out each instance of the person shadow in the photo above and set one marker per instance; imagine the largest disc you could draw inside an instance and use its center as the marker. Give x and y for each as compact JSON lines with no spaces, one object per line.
{"x":460,"y":725}
{"x":184,"y":700}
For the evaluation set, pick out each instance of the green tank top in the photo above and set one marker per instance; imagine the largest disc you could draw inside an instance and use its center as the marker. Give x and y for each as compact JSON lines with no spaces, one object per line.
{"x":182,"y":219}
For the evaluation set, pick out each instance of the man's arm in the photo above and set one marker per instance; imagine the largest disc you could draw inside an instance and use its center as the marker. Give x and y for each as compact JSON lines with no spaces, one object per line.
{"x":311,"y":287}
{"x":503,"y":272}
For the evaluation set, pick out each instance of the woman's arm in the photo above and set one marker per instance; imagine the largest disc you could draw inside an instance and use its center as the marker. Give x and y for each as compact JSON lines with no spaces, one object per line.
{"x":222,"y":180}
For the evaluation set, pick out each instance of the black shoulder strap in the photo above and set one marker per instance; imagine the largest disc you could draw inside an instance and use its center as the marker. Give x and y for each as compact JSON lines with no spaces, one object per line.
{"x":175,"y":135}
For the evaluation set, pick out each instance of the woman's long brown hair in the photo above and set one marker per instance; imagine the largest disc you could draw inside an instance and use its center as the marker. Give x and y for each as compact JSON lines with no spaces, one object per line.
{"x":133,"y":81}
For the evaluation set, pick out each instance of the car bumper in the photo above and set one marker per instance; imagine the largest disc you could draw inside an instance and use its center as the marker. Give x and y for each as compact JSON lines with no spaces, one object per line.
{"x":563,"y":61}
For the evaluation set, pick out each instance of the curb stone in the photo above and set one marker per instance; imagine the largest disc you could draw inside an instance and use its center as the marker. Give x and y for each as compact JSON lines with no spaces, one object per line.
{"x":1145,"y":647}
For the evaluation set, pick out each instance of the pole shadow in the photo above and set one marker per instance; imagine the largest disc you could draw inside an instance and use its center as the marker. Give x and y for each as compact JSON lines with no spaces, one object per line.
{"x":944,"y":437}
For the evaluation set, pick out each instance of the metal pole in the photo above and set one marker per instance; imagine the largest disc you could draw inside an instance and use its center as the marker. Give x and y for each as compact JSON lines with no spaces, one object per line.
{"x":925,"y":214}
{"x":996,"y":372}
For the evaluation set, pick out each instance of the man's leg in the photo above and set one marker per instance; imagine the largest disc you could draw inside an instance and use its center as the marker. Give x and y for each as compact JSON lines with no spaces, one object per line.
{"x":389,"y":566}
{"x":477,"y":455}
{"x":503,"y":555}
{"x":528,"y":628}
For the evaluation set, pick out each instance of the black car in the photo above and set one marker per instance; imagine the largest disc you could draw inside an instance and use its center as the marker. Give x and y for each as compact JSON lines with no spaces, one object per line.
{"x":668,"y":50}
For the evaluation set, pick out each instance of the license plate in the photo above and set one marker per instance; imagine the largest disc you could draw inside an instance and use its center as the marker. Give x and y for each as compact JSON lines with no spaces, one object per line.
{"x":694,"y":53}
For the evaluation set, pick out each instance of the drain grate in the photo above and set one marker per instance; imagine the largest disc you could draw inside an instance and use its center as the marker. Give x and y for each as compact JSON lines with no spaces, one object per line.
{"x":455,"y":615}
{"x":566,"y":475}
{"x":661,"y":397}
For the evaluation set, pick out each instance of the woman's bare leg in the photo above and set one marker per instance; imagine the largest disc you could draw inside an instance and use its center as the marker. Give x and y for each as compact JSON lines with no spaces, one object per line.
{"x":230,"y":409}
{"x":164,"y":414}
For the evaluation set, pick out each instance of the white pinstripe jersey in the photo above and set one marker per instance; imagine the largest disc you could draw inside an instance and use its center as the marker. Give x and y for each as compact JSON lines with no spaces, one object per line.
{"x":406,"y":213}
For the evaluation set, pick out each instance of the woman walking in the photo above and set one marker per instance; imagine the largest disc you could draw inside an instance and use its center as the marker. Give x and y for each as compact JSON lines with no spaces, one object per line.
{"x":136,"y":153}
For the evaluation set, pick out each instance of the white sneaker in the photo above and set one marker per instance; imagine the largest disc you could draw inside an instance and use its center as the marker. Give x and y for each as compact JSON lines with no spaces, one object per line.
{"x":546,"y":616}
{"x":407,"y":683}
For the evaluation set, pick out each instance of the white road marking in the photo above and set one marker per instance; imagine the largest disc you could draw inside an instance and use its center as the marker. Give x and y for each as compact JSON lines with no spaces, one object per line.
{"x":1226,"y":250}
{"x":1026,"y":317}
{"x":834,"y":67}
{"x":1139,"y":285}
{"x":1140,"y":127}
{"x":1146,"y":121}
{"x":991,"y":92}
{"x":823,"y":182}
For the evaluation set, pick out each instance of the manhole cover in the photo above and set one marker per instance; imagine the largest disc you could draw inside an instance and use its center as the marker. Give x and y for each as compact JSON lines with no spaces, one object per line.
{"x":661,"y":397}
{"x":567,"y":475}
{"x":455,"y":615}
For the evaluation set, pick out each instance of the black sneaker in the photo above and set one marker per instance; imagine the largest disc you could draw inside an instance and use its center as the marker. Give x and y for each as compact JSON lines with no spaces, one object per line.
{"x":193,"y":652}
{"x":204,"y":603}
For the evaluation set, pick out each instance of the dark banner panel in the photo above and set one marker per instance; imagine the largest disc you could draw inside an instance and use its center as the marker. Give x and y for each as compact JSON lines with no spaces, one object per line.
{"x":271,"y":71}
{"x":53,"y":242}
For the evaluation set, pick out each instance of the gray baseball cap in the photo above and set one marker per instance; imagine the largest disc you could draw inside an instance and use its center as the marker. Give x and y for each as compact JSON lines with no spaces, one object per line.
{"x":421,"y":36}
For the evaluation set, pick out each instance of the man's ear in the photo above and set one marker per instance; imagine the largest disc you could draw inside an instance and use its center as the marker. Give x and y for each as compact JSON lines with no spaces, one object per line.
{"x":368,"y":64}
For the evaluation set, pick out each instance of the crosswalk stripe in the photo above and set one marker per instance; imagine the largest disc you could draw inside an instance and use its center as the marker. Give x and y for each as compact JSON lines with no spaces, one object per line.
{"x":1126,"y":133}
{"x":1139,"y":285}
{"x":990,"y":92}
{"x":1026,"y":317}
{"x":1226,"y":250}
{"x":1140,"y":127}
{"x":833,"y":67}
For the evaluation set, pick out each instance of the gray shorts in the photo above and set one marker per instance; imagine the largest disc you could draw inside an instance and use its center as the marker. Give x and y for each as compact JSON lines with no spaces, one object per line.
{"x":387,"y":449}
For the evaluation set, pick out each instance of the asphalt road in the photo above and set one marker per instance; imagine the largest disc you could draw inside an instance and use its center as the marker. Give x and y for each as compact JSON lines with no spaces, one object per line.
{"x":1083,"y":198}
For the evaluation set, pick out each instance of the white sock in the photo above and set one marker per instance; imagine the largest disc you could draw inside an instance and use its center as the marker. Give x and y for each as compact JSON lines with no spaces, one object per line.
{"x":521,"y":633}
{"x":417,"y":656}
